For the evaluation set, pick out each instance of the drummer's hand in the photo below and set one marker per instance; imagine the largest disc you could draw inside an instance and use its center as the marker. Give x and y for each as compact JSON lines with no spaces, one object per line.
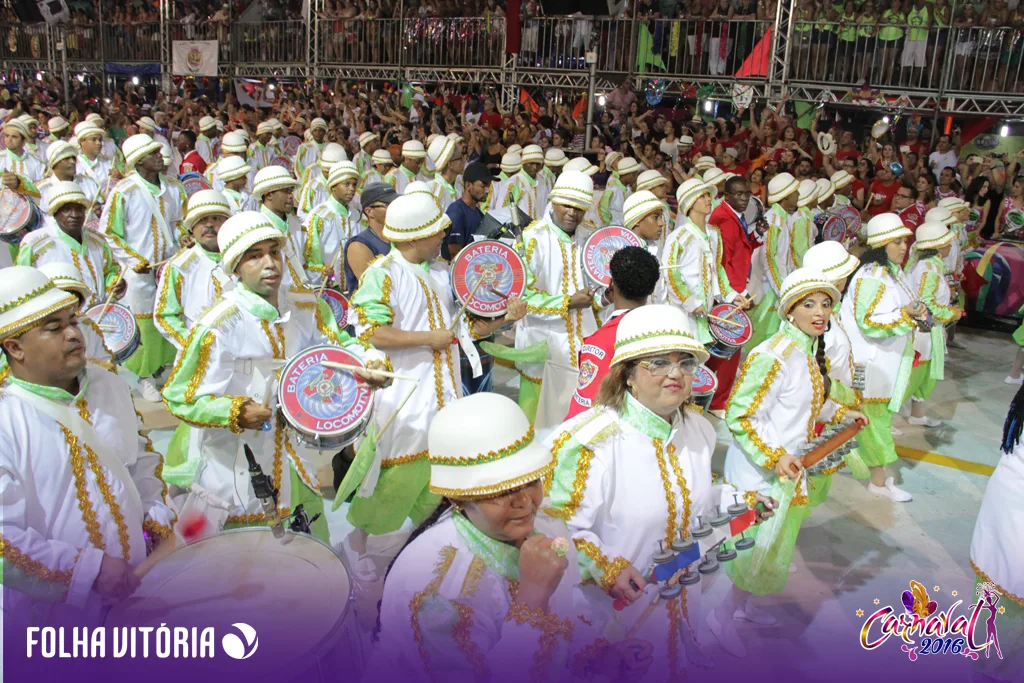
{"x":916,"y":310}
{"x":540,"y":572}
{"x":516,"y":309}
{"x":120,"y":289}
{"x":859,"y":416}
{"x":957,"y":313}
{"x":11,"y":181}
{"x":372,"y":378}
{"x":186,"y":240}
{"x":769,"y":505}
{"x":629,"y":584}
{"x":116,"y":580}
{"x":788,"y":466}
{"x":743,"y":302}
{"x":144,"y":268}
{"x":253,"y":415}
{"x":439,"y":340}
{"x":700,"y":312}
{"x":584,"y":298}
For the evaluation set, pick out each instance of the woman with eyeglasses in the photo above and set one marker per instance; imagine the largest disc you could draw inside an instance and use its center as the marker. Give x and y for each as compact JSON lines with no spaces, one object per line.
{"x":633,"y":474}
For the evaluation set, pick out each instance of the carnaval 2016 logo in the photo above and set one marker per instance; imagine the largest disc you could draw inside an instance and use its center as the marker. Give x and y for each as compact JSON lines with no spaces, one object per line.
{"x":926,"y":630}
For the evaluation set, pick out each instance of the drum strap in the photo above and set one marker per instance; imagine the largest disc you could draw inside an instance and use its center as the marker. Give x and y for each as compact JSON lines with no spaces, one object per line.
{"x":154,"y":208}
{"x":83,"y":431}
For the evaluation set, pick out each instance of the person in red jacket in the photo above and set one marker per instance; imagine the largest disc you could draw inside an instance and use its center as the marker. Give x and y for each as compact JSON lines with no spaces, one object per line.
{"x":191,"y":160}
{"x":910,"y":211}
{"x":738,"y":243}
{"x":634,"y":274}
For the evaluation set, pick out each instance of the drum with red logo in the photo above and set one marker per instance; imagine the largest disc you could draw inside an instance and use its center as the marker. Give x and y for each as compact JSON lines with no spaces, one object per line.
{"x":290,"y":145}
{"x":731,"y":329}
{"x":18,"y":217}
{"x":194,"y":182}
{"x":831,"y":228}
{"x":502,"y":271}
{"x":283,"y":162}
{"x":599,"y":249}
{"x":119,"y":329}
{"x":705,"y":384}
{"x":339,"y":305}
{"x":329,"y":408}
{"x":851,"y":217}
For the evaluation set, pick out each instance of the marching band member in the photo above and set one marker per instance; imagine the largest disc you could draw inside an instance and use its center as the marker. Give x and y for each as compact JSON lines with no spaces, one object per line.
{"x":926,"y":273}
{"x":523,"y":186}
{"x":449,"y":163}
{"x":67,"y":277}
{"x":554,"y":162}
{"x":110,"y":149}
{"x":62,"y":161}
{"x":511,"y":164}
{"x":500,"y":596}
{"x":658,"y":185}
{"x":776,"y":255}
{"x":782,"y":391}
{"x":59,"y":129}
{"x":413,"y":155}
{"x":33,"y":145}
{"x":803,"y":229}
{"x":204,"y":141}
{"x":232,"y":147}
{"x":72,"y":546}
{"x":561,"y":307}
{"x":367,"y":245}
{"x":843,"y":183}
{"x":142,"y":224}
{"x":309,"y":152}
{"x":369,"y":143}
{"x":262,"y":152}
{"x":230,"y":357}
{"x":644,"y":214}
{"x":20,"y":170}
{"x":235,"y":175}
{"x":879,"y":318}
{"x":704,"y":164}
{"x":826,"y":195}
{"x":592,"y":218}
{"x":314,"y":187}
{"x":331,"y":225}
{"x":65,"y":240}
{"x":716,"y":177}
{"x":617,"y":191}
{"x":91,"y":163}
{"x":960,"y":213}
{"x":381,"y":166}
{"x":193,"y":280}
{"x":273,"y":188}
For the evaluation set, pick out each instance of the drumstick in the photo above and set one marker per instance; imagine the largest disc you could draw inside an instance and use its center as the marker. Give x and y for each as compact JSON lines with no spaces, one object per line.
{"x":726,"y":321}
{"x":495,"y":292}
{"x":391,"y":419}
{"x":110,"y":299}
{"x":354,"y":368}
{"x":643,"y":617}
{"x":455,"y":320}
{"x":323,"y":285}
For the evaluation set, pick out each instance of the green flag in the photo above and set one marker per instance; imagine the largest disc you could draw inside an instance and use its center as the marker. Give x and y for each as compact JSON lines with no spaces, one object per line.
{"x":406,"y":95}
{"x":645,"y":52}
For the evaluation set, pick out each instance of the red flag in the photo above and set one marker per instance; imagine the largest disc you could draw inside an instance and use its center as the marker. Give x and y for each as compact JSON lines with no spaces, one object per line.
{"x":579,"y":109}
{"x":531,"y":104}
{"x":757,"y":63}
{"x":738,"y":525}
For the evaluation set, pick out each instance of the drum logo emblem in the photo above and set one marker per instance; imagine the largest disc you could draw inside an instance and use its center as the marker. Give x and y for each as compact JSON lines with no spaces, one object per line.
{"x":588,"y":371}
{"x":234,"y":646}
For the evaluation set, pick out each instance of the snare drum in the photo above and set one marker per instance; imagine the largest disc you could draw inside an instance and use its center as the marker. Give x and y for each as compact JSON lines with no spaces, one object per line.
{"x":1014,"y":221}
{"x":194,"y":182}
{"x":599,"y":249}
{"x":283,"y":163}
{"x":290,"y":145}
{"x":297,"y":597}
{"x":705,"y":384}
{"x":339,"y":306}
{"x":503,"y":273}
{"x":731,"y":331}
{"x":18,"y":217}
{"x":831,"y":228}
{"x":120,"y":332}
{"x":851,"y":217}
{"x":327,"y":407}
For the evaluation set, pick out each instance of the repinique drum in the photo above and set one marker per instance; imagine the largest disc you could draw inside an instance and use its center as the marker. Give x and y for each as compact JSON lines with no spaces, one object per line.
{"x":851,"y":217}
{"x":705,"y":383}
{"x":288,"y":608}
{"x":283,"y":163}
{"x":339,"y":306}
{"x":830,"y":227}
{"x":18,"y":217}
{"x":120,"y":332}
{"x":194,"y":182}
{"x":328,"y":408}
{"x":290,"y":145}
{"x":599,"y":249}
{"x":501,"y":269}
{"x":731,"y":330}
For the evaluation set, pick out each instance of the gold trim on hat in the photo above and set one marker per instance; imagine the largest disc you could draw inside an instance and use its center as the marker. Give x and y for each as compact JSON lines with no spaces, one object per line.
{"x":28,"y":296}
{"x":493,"y":489}
{"x":789,"y":189}
{"x":483,"y":458}
{"x":888,"y":236}
{"x":25,"y":324}
{"x":655,"y":205}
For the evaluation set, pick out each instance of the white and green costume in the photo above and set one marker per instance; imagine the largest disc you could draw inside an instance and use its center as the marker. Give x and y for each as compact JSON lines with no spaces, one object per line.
{"x":260,"y":156}
{"x":927,"y":277}
{"x":776,"y":262}
{"x":28,"y":169}
{"x":400,"y":177}
{"x":92,"y":256}
{"x":307,"y":155}
{"x":523,"y":190}
{"x":328,"y":227}
{"x":612,"y":201}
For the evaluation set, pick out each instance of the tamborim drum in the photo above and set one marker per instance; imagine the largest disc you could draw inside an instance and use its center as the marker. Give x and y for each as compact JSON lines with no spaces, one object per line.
{"x":297,"y":598}
{"x":852,"y":218}
{"x":1014,"y":221}
{"x":731,"y":330}
{"x":831,"y":228}
{"x":329,"y":408}
{"x":705,"y":383}
{"x":283,"y":163}
{"x":194,"y":182}
{"x":501,"y":269}
{"x":599,"y":249}
{"x":18,"y":217}
{"x":290,"y":145}
{"x":339,"y":306}
{"x":120,"y":332}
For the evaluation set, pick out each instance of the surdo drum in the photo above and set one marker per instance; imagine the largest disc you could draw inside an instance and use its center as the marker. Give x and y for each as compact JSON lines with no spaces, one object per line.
{"x":599,"y":249}
{"x":119,"y":329}
{"x":502,"y":271}
{"x":703,"y":388}
{"x":831,"y":228}
{"x":731,"y":330}
{"x":18,"y":217}
{"x":328,"y":408}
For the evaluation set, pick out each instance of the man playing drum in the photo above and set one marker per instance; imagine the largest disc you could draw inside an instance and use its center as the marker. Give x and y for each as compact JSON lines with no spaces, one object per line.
{"x":413,"y":155}
{"x":261,"y":152}
{"x":222,"y":381}
{"x":523,"y":187}
{"x":142,"y":222}
{"x":233,"y":177}
{"x":314,"y":183}
{"x":67,"y":241}
{"x":233,"y":147}
{"x":62,"y":161}
{"x":309,"y":152}
{"x":33,"y":146}
{"x":71,"y":546}
{"x":272,"y":188}
{"x":19,"y":171}
{"x":621,"y":184}
{"x":330,"y":225}
{"x":91,"y":163}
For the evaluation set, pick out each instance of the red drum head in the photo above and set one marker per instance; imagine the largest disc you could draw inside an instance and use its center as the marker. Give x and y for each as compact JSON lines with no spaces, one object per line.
{"x":324,"y":402}
{"x":282,"y":162}
{"x":850,"y":216}
{"x":501,"y":269}
{"x":290,"y":145}
{"x":832,"y":228}
{"x":737,"y":331}
{"x":194,"y":182}
{"x":338,"y":304}
{"x":16,"y":213}
{"x":601,"y":246}
{"x":704,"y":381}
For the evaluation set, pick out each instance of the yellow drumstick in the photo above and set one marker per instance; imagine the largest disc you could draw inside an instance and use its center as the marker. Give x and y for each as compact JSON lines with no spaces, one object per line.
{"x":354,"y":368}
{"x":110,"y":299}
{"x":391,"y":419}
{"x":726,"y":321}
{"x":334,"y":264}
{"x":455,"y":320}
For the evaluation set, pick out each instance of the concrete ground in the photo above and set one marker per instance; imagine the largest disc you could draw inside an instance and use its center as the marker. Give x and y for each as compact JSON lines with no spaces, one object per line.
{"x":857,"y":551}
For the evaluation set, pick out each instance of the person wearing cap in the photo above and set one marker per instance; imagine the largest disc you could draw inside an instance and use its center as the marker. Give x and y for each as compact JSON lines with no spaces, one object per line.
{"x":64,"y":239}
{"x":110,"y":150}
{"x":716,"y":177}
{"x":511,"y":164}
{"x":449,"y":164}
{"x":68,"y":549}
{"x":554,"y":161}
{"x":704,"y":164}
{"x":617,"y":191}
{"x":926,"y":272}
{"x":235,"y":175}
{"x":500,"y":596}
{"x":273,"y":188}
{"x":309,"y":152}
{"x":404,"y":306}
{"x":191,"y":160}
{"x":843,"y":183}
{"x":330,"y":225}
{"x":33,"y":145}
{"x":59,"y":129}
{"x":62,"y":162}
{"x":19,"y":170}
{"x":592,"y":218}
{"x":69,"y":278}
{"x":370,"y":242}
{"x":826,"y":195}
{"x":413,"y":155}
{"x":154,"y":127}
{"x":880,"y":319}
{"x":377,"y":170}
{"x":804,"y":229}
{"x":91,"y":163}
{"x":782,"y":390}
{"x":466,"y":212}
{"x":368,"y":144}
{"x":634,"y":472}
{"x":193,"y":281}
{"x":314,"y":189}
{"x":261,"y":151}
{"x":232,"y":146}
{"x":643,"y":214}
{"x":205,"y":141}
{"x":523,"y":186}
{"x":659,"y":185}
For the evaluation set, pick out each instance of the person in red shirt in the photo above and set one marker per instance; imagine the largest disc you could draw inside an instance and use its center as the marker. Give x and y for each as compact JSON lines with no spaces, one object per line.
{"x":634,"y":275}
{"x":883,"y":189}
{"x":847,"y":147}
{"x":191,"y":160}
{"x":910,"y":211}
{"x":916,"y":145}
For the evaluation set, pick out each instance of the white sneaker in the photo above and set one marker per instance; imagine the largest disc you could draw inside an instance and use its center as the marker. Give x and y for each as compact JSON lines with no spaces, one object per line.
{"x":924,"y":421}
{"x":148,"y":390}
{"x":754,"y":615}
{"x":891,"y":491}
{"x":896,"y":431}
{"x":1014,"y":380}
{"x":727,"y":637}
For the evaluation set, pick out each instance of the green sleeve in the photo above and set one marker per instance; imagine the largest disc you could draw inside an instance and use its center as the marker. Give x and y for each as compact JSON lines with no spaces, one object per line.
{"x":801,"y":240}
{"x":390,"y":180}
{"x":675,"y":277}
{"x":114,"y":229}
{"x":372,"y":303}
{"x":750,"y":425}
{"x":929,"y":287}
{"x":168,"y":314}
{"x":193,"y":372}
{"x":25,"y":255}
{"x":773,"y":255}
{"x":537,"y":300}
{"x":843,"y":395}
{"x":327,"y":325}
{"x":111,"y":271}
{"x":27,"y":187}
{"x":877,"y":324}
{"x":313,"y":257}
{"x":604,"y":206}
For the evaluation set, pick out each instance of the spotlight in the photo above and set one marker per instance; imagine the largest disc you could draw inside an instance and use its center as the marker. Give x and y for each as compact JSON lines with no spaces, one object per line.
{"x":600,"y":100}
{"x":39,"y":75}
{"x":886,"y":119}
{"x":135,"y":80}
{"x":707,"y":105}
{"x":1004,"y":131}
